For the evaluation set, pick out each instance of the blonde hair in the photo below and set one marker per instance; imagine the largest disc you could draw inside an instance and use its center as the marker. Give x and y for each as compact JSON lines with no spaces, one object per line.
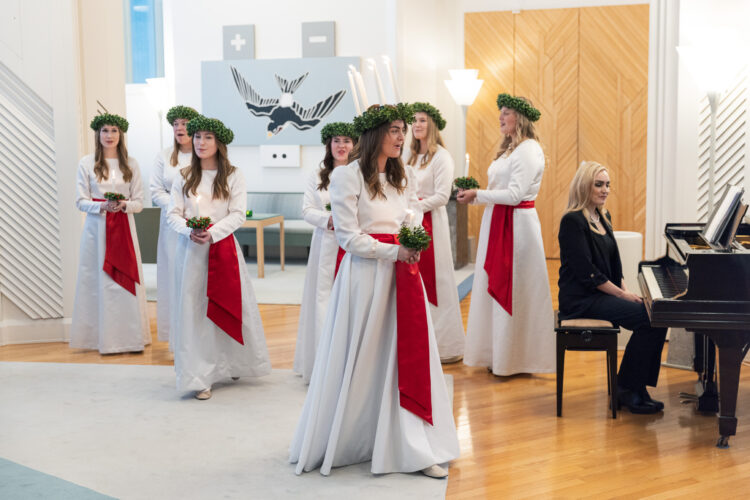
{"x":433,"y":140}
{"x":101,"y":169}
{"x":581,"y":186}
{"x":524,"y":130}
{"x":174,"y":158}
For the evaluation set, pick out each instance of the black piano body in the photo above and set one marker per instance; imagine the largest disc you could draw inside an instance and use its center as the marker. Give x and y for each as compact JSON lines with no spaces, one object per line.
{"x":706,"y":291}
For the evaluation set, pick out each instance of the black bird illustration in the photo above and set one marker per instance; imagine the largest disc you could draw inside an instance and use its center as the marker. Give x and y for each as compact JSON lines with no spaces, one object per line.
{"x":285,"y":110}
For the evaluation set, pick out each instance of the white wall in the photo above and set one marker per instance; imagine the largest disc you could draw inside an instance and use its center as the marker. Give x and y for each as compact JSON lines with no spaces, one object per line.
{"x":193,"y":33}
{"x":38,"y":42}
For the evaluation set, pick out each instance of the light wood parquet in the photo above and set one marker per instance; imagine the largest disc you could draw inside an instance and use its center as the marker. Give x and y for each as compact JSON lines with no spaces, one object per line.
{"x":513,"y":445}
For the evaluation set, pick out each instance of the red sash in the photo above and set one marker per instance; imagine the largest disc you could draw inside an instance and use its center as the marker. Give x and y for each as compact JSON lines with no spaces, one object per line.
{"x":499,"y":260}
{"x":224,"y":289}
{"x":412,"y":343}
{"x":119,"y":253}
{"x":339,"y":258}
{"x":427,"y":262}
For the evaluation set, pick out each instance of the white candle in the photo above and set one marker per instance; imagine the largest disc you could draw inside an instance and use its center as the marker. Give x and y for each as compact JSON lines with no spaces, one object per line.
{"x":374,"y":67}
{"x":354,"y":93}
{"x":466,"y":173}
{"x":387,"y":61}
{"x":409,"y":219}
{"x":198,"y":206}
{"x":361,"y":87}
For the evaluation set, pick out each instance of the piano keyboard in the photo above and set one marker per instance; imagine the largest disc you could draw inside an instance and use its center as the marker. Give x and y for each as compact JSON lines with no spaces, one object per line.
{"x":664,"y":283}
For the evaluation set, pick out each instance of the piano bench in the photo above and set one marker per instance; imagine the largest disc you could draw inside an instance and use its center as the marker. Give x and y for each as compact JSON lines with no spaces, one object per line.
{"x":583,"y":334}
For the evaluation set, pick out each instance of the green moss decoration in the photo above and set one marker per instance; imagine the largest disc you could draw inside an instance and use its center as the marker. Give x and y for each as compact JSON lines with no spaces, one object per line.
{"x":432,"y":111}
{"x":523,"y":107}
{"x":212,"y":125}
{"x":334,"y":129}
{"x":376,"y":115}
{"x":184,"y":112}
{"x":414,"y":238}
{"x":109,"y":119}
{"x":198,"y":222}
{"x":110,"y":196}
{"x":466,"y":183}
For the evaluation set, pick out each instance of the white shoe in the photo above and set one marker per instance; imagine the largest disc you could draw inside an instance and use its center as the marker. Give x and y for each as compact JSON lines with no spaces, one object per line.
{"x":435,"y":471}
{"x":452,"y":359}
{"x":203,"y":395}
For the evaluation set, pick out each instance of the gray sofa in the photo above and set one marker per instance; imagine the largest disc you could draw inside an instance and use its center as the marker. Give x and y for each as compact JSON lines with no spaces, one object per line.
{"x":297,"y":232}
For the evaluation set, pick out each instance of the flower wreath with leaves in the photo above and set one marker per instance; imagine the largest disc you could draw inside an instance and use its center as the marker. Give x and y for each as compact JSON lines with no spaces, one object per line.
{"x":378,"y":114}
{"x":432,"y":111}
{"x":109,"y":119}
{"x":335,"y":129}
{"x":181,"y":112}
{"x":216,"y":127}
{"x":518,"y":104}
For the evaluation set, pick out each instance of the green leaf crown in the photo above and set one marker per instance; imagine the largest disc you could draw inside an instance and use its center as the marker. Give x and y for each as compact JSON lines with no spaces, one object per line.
{"x":109,"y":119}
{"x":212,"y":125}
{"x":378,"y":114}
{"x":334,"y":129}
{"x":184,"y":112}
{"x":520,"y":105}
{"x":432,"y":111}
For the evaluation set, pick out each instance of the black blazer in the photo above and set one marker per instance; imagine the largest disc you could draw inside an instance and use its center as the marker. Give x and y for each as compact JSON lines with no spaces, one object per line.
{"x":583,"y":265}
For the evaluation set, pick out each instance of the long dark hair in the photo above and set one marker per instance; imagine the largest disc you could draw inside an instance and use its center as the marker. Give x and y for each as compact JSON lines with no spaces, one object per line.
{"x":367,"y":152}
{"x":192,"y":174}
{"x":101,"y":169}
{"x":327,"y":165}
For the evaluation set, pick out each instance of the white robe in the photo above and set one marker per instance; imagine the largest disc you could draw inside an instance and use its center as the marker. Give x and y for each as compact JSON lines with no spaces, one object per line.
{"x":204,"y":353}
{"x":162,"y":179}
{"x":321,"y":265}
{"x":435,"y":184}
{"x":352,"y":412}
{"x":524,"y":342}
{"x":106,"y":316}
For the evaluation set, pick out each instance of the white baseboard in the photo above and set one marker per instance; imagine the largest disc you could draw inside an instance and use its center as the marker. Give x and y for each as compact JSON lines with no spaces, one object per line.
{"x":34,"y":331}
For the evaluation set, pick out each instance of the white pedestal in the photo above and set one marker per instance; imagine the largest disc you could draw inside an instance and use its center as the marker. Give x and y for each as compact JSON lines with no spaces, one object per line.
{"x":630,"y":245}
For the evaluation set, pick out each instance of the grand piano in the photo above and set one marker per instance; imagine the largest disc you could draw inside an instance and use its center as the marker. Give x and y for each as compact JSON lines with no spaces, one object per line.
{"x":706,"y":290}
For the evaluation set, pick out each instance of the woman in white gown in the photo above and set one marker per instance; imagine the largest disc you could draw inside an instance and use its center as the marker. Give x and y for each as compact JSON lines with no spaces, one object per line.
{"x":339,"y":139}
{"x":433,"y":167}
{"x":377,"y":391}
{"x":216,"y":325}
{"x":109,"y":312}
{"x":167,"y":167}
{"x":510,"y":317}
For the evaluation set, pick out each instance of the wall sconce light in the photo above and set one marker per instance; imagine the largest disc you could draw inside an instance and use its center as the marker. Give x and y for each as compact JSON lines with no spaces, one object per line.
{"x":464,"y":85}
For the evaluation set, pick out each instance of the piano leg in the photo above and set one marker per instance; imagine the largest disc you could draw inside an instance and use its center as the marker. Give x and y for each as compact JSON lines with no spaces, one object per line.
{"x":732,"y":346}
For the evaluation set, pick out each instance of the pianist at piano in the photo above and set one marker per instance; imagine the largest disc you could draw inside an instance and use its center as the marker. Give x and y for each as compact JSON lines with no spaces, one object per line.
{"x":591,"y":285}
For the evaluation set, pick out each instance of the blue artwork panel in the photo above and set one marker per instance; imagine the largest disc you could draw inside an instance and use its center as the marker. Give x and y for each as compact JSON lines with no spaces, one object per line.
{"x":278,"y":101}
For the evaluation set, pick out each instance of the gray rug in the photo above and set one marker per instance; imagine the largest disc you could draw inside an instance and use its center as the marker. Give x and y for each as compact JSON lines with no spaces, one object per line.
{"x":124,"y":431}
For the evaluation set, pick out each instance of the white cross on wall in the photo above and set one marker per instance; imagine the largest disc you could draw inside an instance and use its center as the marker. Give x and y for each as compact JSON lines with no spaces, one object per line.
{"x":238,"y":42}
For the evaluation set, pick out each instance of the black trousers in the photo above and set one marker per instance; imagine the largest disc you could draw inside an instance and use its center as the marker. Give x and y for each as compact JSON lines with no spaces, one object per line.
{"x":642,"y":359}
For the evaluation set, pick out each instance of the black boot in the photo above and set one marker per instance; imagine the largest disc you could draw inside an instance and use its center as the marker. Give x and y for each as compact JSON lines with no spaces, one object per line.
{"x":634,"y":402}
{"x":647,"y":399}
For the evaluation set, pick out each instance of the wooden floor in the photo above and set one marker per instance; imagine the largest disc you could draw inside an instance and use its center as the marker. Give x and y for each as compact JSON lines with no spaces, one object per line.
{"x":513,"y":445}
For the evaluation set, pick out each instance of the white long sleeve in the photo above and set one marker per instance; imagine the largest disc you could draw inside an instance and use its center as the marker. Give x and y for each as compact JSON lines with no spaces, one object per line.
{"x":442,"y":173}
{"x":526,"y":167}
{"x":134,"y":204}
{"x":160,"y":192}
{"x":84,"y":198}
{"x":346,"y":189}
{"x":313,"y":210}
{"x":237,"y":208}
{"x":177,"y":215}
